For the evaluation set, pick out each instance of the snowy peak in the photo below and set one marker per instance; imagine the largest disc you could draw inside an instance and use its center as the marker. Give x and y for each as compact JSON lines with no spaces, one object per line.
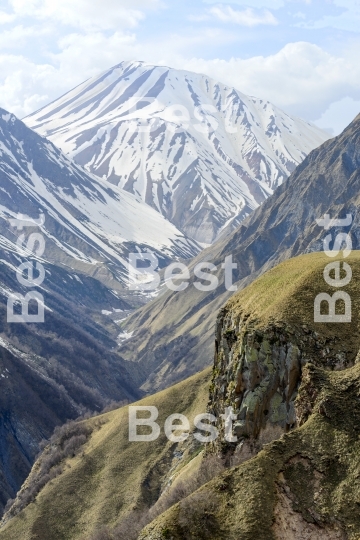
{"x":202,"y":154}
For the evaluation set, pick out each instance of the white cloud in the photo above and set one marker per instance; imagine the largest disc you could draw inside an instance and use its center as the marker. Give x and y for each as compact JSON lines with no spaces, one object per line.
{"x":301,"y":78}
{"x":246,"y":17}
{"x":89,"y":15}
{"x":348,"y":20}
{"x":270,"y":4}
{"x":83,"y":56}
{"x":17,"y":36}
{"x":339,"y":115}
{"x":6,"y":17}
{"x":25,"y":86}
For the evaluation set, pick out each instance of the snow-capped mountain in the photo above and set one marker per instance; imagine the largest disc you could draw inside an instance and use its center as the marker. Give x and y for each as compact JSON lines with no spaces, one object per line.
{"x":89,"y":224}
{"x":202,"y":154}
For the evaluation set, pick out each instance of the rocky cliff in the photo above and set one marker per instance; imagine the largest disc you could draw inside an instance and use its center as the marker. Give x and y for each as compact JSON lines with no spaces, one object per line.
{"x":294,"y":388}
{"x":264,"y":337}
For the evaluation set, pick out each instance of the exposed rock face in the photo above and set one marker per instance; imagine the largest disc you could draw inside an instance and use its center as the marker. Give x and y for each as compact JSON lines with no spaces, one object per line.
{"x":293,"y":387}
{"x":258,"y":371}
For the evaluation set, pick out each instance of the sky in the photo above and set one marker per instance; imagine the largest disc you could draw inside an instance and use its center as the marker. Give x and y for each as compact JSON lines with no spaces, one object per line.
{"x":302,"y":55}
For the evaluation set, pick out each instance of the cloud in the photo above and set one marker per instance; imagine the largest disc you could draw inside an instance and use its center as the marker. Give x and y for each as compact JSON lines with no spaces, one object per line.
{"x":301,"y":78}
{"x":87,"y":55}
{"x":17,"y":36}
{"x":54,"y":59}
{"x":247,"y":17}
{"x":348,"y":20}
{"x":26,"y":86}
{"x":85,"y":14}
{"x":271,"y":4}
{"x":6,"y":18}
{"x":338,"y":115}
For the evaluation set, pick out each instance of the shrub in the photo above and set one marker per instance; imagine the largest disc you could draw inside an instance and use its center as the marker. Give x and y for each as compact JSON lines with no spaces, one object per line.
{"x":131,"y":526}
{"x":65,"y":442}
{"x":197,"y":515}
{"x":113,"y":405}
{"x":102,"y":534}
{"x":9,"y":505}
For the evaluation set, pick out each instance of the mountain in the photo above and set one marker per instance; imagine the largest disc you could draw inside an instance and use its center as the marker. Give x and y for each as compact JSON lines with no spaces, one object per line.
{"x":202,"y":154}
{"x":89,"y":225}
{"x":173,"y":334}
{"x":280,"y":480}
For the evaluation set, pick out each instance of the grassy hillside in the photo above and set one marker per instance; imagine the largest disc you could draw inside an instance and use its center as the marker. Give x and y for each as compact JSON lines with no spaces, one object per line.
{"x":112,"y":476}
{"x":305,"y":485}
{"x":286,"y":294}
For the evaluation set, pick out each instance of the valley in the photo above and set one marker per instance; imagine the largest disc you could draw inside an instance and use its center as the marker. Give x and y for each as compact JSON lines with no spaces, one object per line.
{"x":179,"y":329}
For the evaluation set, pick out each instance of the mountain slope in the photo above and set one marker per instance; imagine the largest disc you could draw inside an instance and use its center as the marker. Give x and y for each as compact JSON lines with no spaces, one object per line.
{"x":173,"y":334}
{"x":89,"y":225}
{"x":114,"y":476}
{"x":204,"y":155}
{"x":303,"y":484}
{"x":55,"y":370}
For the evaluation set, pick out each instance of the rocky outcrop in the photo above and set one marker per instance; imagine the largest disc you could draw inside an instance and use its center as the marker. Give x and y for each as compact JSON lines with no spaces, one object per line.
{"x":257,"y":373}
{"x":303,"y":486}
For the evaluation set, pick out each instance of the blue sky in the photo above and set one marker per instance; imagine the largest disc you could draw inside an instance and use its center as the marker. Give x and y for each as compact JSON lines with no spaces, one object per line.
{"x":300,"y":54}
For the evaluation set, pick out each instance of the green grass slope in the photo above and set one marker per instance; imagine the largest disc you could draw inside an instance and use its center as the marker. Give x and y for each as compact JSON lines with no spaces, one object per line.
{"x":112,"y":476}
{"x":305,"y":485}
{"x":286,"y":295}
